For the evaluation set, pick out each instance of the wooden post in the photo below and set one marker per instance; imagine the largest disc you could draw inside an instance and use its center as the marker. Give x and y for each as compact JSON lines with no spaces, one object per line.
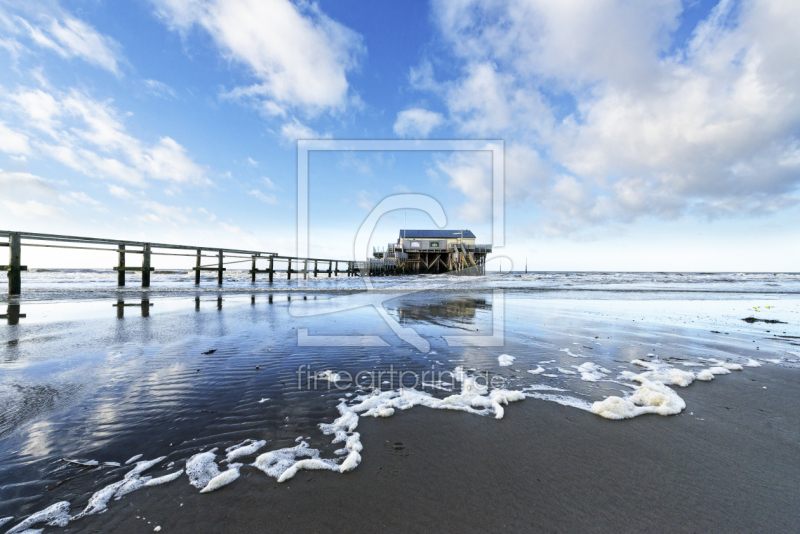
{"x":146,"y":266}
{"x":336,"y":270}
{"x":270,"y":269}
{"x":253,"y":271}
{"x":219,"y":272}
{"x":197,"y":271}
{"x":315,"y":268}
{"x":121,"y":271}
{"x":305,"y":270}
{"x":14,"y":264}
{"x":330,"y":268}
{"x":289,"y":270}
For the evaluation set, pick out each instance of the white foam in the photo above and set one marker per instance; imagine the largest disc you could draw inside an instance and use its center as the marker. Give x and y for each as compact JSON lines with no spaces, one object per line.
{"x":773,"y":360}
{"x":56,"y":515}
{"x":571,"y":353}
{"x":263,"y":401}
{"x":99,"y":500}
{"x":201,"y":468}
{"x":505,"y":360}
{"x":133,"y":484}
{"x":719,"y":371}
{"x":650,"y":397}
{"x":705,"y":375}
{"x":547,"y":361}
{"x":142,"y":466}
{"x":133,"y":459}
{"x":249,"y":447}
{"x":5,"y":520}
{"x":564,"y":400}
{"x":692,"y":364}
{"x":752,"y":363}
{"x":661,"y":372}
{"x":542,"y":387}
{"x":275,"y":463}
{"x":726,"y":365}
{"x":591,"y":372}
{"x":566,"y":371}
{"x":550,"y":375}
{"x":539,"y":369}
{"x":223,"y":479}
{"x":164,"y":479}
{"x":330,"y":376}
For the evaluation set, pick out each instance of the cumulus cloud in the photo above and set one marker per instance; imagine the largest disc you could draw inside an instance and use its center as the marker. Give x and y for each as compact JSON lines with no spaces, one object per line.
{"x":618,"y":120}
{"x":298,"y":56}
{"x":88,"y":136}
{"x":417,"y":122}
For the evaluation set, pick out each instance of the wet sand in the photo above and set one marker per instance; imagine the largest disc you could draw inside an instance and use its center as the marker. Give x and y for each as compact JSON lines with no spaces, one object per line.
{"x":728,"y":463}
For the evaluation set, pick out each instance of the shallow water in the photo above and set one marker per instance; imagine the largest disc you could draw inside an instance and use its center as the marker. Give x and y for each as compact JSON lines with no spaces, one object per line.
{"x":174,"y":374}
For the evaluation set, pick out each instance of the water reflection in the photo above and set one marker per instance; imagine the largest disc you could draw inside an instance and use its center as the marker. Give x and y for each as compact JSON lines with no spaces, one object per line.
{"x":13,"y":315}
{"x":144,"y":305}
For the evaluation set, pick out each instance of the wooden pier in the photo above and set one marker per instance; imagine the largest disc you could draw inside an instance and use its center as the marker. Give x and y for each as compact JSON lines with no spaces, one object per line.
{"x":16,"y":240}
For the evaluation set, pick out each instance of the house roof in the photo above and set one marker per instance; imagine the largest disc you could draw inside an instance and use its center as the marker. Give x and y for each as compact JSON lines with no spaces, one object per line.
{"x":435,"y":234}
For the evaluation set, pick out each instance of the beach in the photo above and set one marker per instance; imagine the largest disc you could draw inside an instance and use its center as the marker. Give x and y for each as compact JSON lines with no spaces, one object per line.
{"x":147,"y":393}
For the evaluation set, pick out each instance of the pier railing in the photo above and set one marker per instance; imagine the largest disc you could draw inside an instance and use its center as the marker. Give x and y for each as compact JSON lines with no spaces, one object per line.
{"x":122,"y":247}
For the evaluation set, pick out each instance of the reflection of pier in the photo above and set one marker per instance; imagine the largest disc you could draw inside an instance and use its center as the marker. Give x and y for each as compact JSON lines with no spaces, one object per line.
{"x":12,"y":314}
{"x":147,"y":250}
{"x":144,"y":305}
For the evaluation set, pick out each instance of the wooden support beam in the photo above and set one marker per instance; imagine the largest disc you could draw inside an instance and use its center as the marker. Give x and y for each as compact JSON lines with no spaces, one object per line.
{"x":289,"y":270}
{"x":270,"y":271}
{"x":253,"y":271}
{"x":197,"y":271}
{"x":305,"y":270}
{"x":219,"y":273}
{"x":132,"y":269}
{"x":315,"y":269}
{"x":330,"y":268}
{"x":14,"y":259}
{"x":121,"y":266}
{"x":146,"y":266}
{"x":336,"y":271}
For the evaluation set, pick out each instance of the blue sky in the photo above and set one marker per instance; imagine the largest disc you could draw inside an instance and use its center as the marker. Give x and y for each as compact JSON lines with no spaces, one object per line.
{"x":655,"y":135}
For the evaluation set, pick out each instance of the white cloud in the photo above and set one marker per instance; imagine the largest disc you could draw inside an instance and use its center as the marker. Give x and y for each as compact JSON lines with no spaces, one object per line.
{"x":417,"y":122}
{"x":160,"y":89}
{"x":12,"y":142}
{"x":471,"y":173}
{"x":48,"y":26}
{"x":630,"y":124}
{"x":270,"y":184}
{"x":268,"y":198}
{"x":252,"y":162}
{"x":88,"y":136}
{"x":119,"y":192}
{"x":294,"y":130}
{"x":299,"y":56}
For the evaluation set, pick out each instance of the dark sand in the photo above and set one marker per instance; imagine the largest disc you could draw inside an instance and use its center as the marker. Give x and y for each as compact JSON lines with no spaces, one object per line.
{"x":544,"y":468}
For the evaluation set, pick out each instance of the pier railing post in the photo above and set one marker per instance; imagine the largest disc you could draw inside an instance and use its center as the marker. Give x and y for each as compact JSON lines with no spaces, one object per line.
{"x":219,"y":272}
{"x":330,"y":268}
{"x":289,"y":270}
{"x":271,"y":264}
{"x":305,"y":270}
{"x":253,"y":271}
{"x":315,"y":268}
{"x":121,"y":271}
{"x":146,"y":265}
{"x":14,"y":264}
{"x":197,"y":270}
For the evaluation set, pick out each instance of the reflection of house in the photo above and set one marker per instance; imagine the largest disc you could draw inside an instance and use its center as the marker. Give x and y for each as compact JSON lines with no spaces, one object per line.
{"x":436,"y":251}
